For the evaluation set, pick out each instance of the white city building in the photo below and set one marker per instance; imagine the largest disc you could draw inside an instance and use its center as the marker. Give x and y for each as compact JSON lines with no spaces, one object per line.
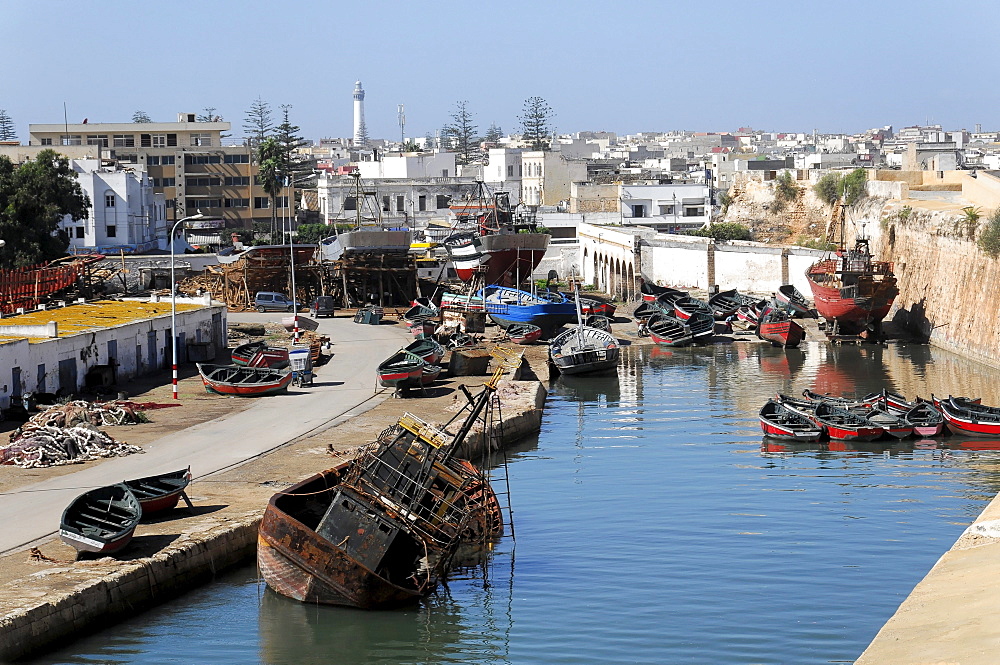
{"x":670,"y":208}
{"x":125,"y":214}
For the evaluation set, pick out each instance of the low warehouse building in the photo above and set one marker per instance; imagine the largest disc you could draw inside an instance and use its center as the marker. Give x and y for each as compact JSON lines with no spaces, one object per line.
{"x":103,"y":342}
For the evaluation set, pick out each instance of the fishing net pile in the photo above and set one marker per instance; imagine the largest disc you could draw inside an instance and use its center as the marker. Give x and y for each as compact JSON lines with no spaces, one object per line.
{"x":69,"y":434}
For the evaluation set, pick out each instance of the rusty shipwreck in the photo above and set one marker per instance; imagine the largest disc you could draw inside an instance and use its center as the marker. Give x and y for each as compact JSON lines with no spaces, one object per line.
{"x":385,"y":528}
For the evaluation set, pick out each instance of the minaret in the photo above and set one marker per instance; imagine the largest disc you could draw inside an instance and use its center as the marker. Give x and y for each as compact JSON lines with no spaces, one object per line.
{"x":360,"y":131}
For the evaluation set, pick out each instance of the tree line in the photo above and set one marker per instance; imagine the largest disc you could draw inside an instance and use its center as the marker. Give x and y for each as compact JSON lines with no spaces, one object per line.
{"x":461,"y":135}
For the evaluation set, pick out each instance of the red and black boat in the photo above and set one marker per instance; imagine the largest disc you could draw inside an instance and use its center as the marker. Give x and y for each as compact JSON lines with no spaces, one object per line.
{"x":780,"y":422}
{"x":843,"y":425}
{"x":776,"y":326}
{"x":160,"y":493}
{"x":965,"y":416}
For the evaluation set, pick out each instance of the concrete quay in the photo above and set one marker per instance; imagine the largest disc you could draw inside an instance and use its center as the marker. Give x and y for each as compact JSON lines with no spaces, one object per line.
{"x":47,"y":602}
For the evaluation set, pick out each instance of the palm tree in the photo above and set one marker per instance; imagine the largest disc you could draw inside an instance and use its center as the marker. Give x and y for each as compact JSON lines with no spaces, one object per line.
{"x":270,"y":162}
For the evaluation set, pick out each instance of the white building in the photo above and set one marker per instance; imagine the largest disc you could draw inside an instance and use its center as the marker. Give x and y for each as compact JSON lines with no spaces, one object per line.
{"x":669,"y":208}
{"x":503,"y":172}
{"x":409,"y":165}
{"x":547,"y":177}
{"x":398,"y":201}
{"x":124,"y":215}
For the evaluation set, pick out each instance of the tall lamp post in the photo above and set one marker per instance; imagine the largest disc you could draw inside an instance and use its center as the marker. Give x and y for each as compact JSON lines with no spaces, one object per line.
{"x":173,"y":299}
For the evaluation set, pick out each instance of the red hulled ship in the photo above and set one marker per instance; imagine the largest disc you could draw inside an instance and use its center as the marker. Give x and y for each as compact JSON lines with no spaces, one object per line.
{"x":852,"y":291}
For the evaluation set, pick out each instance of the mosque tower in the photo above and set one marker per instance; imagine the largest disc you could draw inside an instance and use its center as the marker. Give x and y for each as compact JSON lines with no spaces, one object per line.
{"x":360,"y":131}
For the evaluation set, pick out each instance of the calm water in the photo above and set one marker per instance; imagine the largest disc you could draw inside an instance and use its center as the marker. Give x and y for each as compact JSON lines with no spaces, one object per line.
{"x":653,"y":526}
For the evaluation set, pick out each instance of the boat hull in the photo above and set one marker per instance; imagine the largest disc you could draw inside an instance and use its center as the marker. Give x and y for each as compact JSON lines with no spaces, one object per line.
{"x":965,"y":422}
{"x":213,"y":384}
{"x":783,"y":333}
{"x":776,"y":431}
{"x":499,"y":259}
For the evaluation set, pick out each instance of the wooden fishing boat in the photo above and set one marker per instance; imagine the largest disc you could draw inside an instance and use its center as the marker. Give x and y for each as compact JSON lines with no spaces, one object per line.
{"x":548,"y":311}
{"x":893,"y":425}
{"x":160,"y":493}
{"x":382,"y":530}
{"x":777,"y":327}
{"x":844,"y":402}
{"x":806,"y":407}
{"x":851,"y":290}
{"x":645,"y":310}
{"x":925,"y":419}
{"x":651,"y":291}
{"x":244,"y":353}
{"x":982,"y":421}
{"x":598,"y":321}
{"x":667,"y":330}
{"x":584,"y":350}
{"x":102,"y":520}
{"x":702,"y":325}
{"x":403,"y":368}
{"x":686,"y":306}
{"x":725,"y":303}
{"x":274,"y":357}
{"x":244,"y":381}
{"x":843,"y":425}
{"x":418,"y":313}
{"x":426,"y":348}
{"x":667,"y":298}
{"x":791,"y":299}
{"x":523,"y":333}
{"x":779,"y":422}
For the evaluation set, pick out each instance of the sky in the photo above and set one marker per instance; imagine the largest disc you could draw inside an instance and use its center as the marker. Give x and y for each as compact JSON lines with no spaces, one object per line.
{"x":625,"y":67}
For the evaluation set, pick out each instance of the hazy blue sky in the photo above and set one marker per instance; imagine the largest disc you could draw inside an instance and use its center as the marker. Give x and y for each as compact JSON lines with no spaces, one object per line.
{"x":624,"y":66}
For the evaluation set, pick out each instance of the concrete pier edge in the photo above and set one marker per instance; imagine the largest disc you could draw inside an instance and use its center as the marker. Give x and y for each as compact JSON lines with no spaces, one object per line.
{"x":189,"y":562}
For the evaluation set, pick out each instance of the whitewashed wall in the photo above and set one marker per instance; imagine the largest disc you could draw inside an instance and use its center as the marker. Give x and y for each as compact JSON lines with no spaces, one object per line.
{"x":748,"y":268}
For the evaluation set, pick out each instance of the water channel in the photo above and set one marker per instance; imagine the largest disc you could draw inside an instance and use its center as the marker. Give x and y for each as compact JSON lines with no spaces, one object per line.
{"x":653,"y":525}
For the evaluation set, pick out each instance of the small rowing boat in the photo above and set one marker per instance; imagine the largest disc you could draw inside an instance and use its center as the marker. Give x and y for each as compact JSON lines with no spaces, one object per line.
{"x":791,"y":299}
{"x":159,"y":493}
{"x":244,"y":381}
{"x":779,"y":422}
{"x":401,"y":369}
{"x":102,"y":520}
{"x":523,"y":333}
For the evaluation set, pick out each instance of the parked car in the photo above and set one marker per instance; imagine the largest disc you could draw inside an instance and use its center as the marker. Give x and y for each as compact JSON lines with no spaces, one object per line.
{"x":323,"y":306}
{"x":272,"y":301}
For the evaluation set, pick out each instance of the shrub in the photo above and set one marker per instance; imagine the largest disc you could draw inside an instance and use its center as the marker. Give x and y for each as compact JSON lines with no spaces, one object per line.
{"x":832,"y":187}
{"x":723,"y":231}
{"x":816,"y":243}
{"x":989,"y":239}
{"x":828,"y":188}
{"x":785,"y":189}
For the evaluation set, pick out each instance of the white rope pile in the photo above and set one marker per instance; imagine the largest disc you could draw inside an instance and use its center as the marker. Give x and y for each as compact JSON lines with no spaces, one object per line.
{"x":47,"y":445}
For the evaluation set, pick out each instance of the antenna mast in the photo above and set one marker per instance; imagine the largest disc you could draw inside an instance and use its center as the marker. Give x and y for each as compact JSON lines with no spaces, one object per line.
{"x":402,"y":124}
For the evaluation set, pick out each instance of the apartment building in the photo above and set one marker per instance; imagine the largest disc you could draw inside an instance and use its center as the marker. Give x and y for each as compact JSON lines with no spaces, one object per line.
{"x":186,"y":161}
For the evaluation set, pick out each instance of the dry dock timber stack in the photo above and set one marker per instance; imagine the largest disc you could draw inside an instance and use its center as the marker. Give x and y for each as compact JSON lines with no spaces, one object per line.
{"x":64,"y":599}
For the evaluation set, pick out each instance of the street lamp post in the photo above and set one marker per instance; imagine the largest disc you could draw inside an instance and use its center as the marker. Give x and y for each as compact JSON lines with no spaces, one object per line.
{"x":173,"y":300}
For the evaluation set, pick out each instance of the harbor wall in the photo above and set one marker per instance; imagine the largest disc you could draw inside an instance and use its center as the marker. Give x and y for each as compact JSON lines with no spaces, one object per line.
{"x":751,"y":267}
{"x":33,"y":620}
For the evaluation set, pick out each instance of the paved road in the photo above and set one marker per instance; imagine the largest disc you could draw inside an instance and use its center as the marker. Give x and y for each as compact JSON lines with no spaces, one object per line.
{"x":343,"y":387}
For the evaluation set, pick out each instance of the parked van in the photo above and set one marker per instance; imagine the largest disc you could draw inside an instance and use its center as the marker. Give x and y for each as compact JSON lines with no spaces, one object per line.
{"x":271,"y":301}
{"x":323,"y":306}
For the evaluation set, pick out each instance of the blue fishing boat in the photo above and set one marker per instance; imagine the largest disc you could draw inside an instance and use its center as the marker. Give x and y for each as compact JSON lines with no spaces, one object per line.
{"x":507,"y":306}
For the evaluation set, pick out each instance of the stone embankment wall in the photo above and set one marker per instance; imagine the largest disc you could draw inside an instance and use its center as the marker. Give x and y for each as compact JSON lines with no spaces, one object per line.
{"x":753,"y":206}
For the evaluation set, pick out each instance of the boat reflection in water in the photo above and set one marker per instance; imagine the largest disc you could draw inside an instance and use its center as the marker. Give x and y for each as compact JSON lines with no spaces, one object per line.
{"x":892,"y":447}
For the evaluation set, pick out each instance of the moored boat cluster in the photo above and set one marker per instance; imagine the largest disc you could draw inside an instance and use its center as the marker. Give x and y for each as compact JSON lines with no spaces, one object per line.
{"x":874,"y":416}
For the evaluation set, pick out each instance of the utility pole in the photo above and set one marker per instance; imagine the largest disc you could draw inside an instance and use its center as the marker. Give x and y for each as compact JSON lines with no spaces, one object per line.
{"x":402,"y":124}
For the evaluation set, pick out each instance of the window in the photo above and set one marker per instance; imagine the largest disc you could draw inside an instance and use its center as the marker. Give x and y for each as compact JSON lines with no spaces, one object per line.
{"x":98,"y":139}
{"x":109,"y":200}
{"x":153,"y":160}
{"x":169,"y":182}
{"x":510,"y":170}
{"x":124,"y":140}
{"x":46,"y":141}
{"x":638,"y":211}
{"x":171,"y":139}
{"x":153,"y":140}
{"x":237,"y":203}
{"x":442,"y":201}
{"x":201,"y":139}
{"x":421,"y":203}
{"x":666,"y":210}
{"x":281,"y":202}
{"x":79,"y":232}
{"x":167,"y":160}
{"x":444,"y":173}
{"x":112,"y":231}
{"x":202,"y":181}
{"x":72,"y":139}
{"x":350,"y":203}
{"x":400,"y":204}
{"x":385,"y":204}
{"x":262,"y":202}
{"x":520,"y":169}
{"x":201,"y":159}
{"x":237,"y":159}
{"x":694,"y":212}
{"x":195,"y":204}
{"x":237,"y":181}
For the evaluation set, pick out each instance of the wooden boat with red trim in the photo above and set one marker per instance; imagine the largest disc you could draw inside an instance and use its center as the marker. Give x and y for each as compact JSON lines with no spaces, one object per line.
{"x":851,"y":290}
{"x":843,"y":425}
{"x":791,"y":299}
{"x":523,"y":333}
{"x":426,"y":348}
{"x":102,"y":520}
{"x":893,"y":425}
{"x":668,"y":330}
{"x":925,"y":419}
{"x":777,"y":327}
{"x":962,"y":418}
{"x":403,"y":368}
{"x":160,"y":493}
{"x":685,"y":307}
{"x":779,"y":422}
{"x":725,"y":304}
{"x":241,"y":381}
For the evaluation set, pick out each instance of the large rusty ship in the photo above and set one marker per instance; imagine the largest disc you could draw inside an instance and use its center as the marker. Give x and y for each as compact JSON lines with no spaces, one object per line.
{"x":852,"y":291}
